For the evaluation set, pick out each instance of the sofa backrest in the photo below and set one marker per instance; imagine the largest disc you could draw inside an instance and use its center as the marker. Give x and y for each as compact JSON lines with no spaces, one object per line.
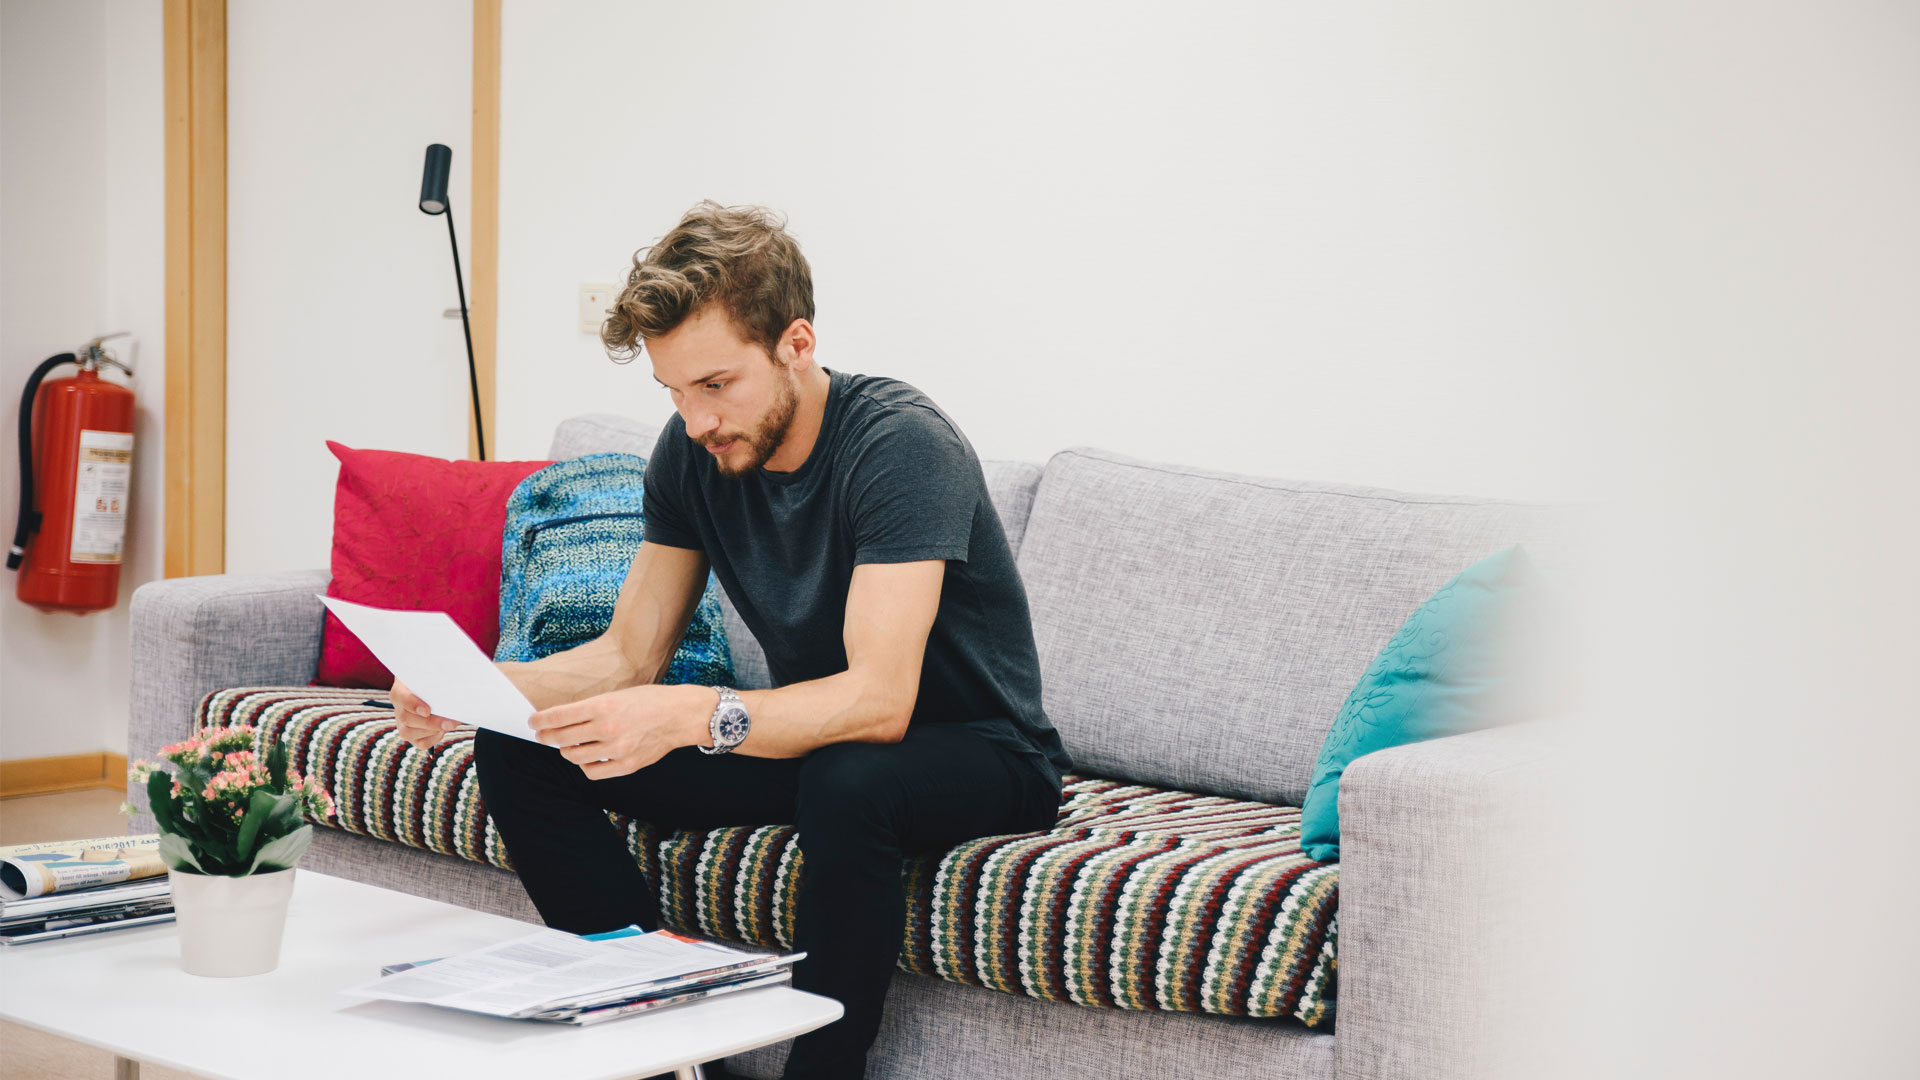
{"x":1199,"y":629}
{"x":603,"y":433}
{"x":1010,"y":484}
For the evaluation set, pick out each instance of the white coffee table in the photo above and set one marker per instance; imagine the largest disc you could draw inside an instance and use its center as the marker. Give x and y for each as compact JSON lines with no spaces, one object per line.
{"x":124,"y":991}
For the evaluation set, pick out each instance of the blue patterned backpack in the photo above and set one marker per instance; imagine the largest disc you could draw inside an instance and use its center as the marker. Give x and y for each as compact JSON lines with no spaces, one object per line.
{"x":572,"y":529}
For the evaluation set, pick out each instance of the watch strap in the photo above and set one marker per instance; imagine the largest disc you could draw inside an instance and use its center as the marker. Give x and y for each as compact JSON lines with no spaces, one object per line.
{"x":729,"y":701}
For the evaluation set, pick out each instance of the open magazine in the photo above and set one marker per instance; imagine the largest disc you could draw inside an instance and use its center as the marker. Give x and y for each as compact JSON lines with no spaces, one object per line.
{"x":556,"y":976}
{"x":31,"y":870}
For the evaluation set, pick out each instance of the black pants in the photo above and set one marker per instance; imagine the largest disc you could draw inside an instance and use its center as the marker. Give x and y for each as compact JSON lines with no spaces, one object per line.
{"x":860,"y":809}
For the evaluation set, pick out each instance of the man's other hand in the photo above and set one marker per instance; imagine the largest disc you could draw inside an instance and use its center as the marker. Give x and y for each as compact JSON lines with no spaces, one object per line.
{"x":418,"y":726}
{"x":624,"y":731}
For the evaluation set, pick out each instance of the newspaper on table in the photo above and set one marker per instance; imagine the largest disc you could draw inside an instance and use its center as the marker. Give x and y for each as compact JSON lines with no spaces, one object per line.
{"x":33,"y":870}
{"x":67,"y":888}
{"x":554,"y":975}
{"x":66,"y":926}
{"x":615,"y":1010}
{"x":96,"y":898}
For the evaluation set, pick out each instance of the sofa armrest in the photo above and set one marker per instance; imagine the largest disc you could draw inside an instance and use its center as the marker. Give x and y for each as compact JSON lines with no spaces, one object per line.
{"x":197,"y":634}
{"x":1442,"y":844}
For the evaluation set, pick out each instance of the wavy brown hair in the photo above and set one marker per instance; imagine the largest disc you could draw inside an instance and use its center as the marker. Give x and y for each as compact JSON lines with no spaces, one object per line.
{"x":740,"y":257}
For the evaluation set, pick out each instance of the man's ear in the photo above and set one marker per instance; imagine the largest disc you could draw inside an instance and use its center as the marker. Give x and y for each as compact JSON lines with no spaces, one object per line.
{"x":797,"y":343}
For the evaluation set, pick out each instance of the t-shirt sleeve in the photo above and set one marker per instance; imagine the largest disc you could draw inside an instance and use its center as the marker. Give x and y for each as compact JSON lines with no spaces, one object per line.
{"x":663,"y":498}
{"x":913,"y":491}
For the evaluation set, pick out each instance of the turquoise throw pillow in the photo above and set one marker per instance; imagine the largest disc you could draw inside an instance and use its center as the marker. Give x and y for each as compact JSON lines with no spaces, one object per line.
{"x":571,"y":533}
{"x":1461,"y":662}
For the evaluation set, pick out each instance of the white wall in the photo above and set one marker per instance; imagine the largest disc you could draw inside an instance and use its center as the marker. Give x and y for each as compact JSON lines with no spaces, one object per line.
{"x":82,"y":253}
{"x":1742,"y":231}
{"x":1310,"y":240}
{"x":335,"y":280}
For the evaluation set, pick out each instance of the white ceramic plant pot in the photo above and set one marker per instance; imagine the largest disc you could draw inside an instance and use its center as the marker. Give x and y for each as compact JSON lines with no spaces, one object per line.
{"x":230,"y":925}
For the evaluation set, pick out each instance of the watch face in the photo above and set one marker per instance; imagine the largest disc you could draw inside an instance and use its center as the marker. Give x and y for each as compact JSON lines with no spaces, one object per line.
{"x":732,"y":725}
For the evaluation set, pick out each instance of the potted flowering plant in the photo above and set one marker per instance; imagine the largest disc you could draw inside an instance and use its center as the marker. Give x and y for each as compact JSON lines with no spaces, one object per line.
{"x":232,"y":826}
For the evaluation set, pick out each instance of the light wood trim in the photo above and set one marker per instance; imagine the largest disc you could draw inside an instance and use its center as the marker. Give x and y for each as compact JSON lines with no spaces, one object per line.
{"x":67,"y":772}
{"x":196,"y":397}
{"x":484,"y":304}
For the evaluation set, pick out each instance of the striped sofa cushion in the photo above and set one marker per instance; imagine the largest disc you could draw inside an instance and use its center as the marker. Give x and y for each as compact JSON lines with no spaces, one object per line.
{"x":1139,"y":898}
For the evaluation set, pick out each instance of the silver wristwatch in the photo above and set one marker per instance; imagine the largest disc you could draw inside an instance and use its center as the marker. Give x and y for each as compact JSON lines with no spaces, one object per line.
{"x":729,"y":724}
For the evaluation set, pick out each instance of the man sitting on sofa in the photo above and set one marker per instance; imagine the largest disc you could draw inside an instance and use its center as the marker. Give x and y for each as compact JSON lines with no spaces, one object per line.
{"x":849,"y":522}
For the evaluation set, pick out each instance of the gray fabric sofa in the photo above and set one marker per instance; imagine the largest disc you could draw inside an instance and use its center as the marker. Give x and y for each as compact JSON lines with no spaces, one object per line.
{"x":1196,"y":629}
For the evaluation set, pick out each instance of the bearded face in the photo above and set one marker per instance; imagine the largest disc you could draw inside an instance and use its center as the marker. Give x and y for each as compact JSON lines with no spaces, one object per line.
{"x":738,"y":400}
{"x":738,"y":455}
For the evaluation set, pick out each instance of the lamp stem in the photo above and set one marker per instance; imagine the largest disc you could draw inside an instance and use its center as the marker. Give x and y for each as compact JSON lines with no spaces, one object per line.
{"x":473,"y":370}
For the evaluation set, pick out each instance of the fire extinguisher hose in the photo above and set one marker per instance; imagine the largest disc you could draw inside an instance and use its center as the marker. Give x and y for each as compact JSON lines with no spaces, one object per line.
{"x":29,"y":521}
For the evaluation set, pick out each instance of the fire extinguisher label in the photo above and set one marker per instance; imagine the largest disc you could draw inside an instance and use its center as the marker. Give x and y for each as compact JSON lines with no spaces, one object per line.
{"x":100,"y":487}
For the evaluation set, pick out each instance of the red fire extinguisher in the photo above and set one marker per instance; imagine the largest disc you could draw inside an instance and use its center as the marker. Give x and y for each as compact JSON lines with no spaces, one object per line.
{"x":76,"y":471}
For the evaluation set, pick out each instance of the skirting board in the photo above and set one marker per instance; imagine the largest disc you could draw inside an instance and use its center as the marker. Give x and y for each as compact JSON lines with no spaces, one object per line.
{"x":67,"y":772}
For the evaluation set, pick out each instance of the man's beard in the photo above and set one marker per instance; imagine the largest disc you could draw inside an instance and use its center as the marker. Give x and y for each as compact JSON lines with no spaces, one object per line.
{"x":765,"y":440}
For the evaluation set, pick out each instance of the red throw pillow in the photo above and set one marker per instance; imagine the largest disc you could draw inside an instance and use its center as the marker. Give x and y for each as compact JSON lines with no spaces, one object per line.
{"x":418,"y":533}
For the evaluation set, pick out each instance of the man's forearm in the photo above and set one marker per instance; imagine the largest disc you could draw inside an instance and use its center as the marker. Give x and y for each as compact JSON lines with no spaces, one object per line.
{"x":802,"y":717}
{"x":596,"y":667}
{"x":790,"y":722}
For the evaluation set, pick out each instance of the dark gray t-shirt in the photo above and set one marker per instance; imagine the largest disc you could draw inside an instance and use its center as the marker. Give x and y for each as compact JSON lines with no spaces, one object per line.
{"x":890,"y":479}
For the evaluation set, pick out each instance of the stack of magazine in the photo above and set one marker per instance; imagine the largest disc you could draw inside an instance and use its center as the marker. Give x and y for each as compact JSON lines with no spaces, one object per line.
{"x":565,"y":978}
{"x":64,"y":888}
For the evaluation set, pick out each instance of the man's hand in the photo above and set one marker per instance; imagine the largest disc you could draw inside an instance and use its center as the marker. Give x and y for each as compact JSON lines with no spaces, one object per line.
{"x":418,"y":726}
{"x":624,"y":731}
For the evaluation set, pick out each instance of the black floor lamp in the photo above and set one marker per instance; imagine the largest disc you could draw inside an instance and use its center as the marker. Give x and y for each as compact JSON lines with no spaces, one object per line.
{"x":433,"y":200}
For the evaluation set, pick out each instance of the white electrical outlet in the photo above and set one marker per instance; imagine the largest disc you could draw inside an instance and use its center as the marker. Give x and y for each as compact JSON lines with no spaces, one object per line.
{"x":594,"y":302}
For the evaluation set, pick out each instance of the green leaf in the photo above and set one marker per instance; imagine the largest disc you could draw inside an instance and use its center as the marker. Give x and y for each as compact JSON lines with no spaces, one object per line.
{"x":284,"y":852}
{"x":178,"y":854}
{"x":260,"y":808}
{"x":160,"y":801}
{"x":277,"y":765}
{"x":286,"y":817}
{"x":221,"y":849}
{"x":169,"y":811}
{"x":193,"y":777}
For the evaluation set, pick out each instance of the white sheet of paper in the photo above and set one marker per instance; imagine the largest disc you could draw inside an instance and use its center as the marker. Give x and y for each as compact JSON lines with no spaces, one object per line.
{"x":429,"y":652}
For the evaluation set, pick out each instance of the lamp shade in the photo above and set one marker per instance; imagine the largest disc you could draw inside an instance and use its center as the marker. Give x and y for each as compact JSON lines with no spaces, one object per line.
{"x":433,"y":179}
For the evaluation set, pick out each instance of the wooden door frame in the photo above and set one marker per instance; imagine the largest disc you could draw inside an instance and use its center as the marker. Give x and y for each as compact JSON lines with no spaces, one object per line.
{"x":196,"y":397}
{"x":195,"y":51}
